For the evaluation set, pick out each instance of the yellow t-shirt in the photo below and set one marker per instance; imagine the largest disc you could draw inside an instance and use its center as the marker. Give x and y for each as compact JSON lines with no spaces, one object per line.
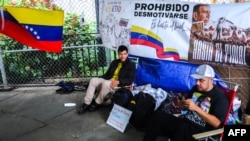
{"x":117,"y":70}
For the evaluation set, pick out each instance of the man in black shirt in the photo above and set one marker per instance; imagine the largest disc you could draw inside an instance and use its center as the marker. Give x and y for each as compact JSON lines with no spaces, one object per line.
{"x":120,"y":73}
{"x":206,"y":107}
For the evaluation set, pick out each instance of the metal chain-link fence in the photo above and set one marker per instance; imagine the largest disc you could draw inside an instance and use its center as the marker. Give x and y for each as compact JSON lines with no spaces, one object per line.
{"x":83,"y":55}
{"x":238,"y":75}
{"x":75,"y":63}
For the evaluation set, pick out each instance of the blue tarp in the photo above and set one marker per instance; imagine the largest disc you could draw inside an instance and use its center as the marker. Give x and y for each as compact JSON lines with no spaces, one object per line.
{"x":169,"y":75}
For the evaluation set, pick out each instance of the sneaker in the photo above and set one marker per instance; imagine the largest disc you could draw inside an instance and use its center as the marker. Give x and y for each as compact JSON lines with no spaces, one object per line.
{"x":93,"y":106}
{"x":83,"y":108}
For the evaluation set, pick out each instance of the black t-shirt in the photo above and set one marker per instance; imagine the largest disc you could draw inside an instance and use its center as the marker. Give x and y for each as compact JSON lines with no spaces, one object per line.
{"x":213,"y":102}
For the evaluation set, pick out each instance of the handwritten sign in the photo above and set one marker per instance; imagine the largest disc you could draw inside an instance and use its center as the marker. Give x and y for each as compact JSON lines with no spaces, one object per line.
{"x":119,"y":117}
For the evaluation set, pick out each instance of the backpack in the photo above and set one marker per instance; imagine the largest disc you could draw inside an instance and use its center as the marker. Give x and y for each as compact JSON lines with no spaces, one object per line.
{"x":122,"y":96}
{"x":142,"y":106}
{"x":65,"y":87}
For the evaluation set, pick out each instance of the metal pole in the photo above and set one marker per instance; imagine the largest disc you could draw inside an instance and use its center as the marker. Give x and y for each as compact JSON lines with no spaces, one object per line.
{"x":229,"y":82}
{"x":3,"y":70}
{"x":97,"y":7}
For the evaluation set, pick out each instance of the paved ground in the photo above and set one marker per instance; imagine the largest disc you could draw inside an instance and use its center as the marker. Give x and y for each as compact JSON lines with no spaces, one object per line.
{"x":39,"y":114}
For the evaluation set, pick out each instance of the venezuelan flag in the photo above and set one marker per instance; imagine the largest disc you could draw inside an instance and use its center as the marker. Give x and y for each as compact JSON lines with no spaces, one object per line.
{"x":145,"y":37}
{"x":40,"y":29}
{"x":142,"y":36}
{"x":123,"y":22}
{"x":171,"y":52}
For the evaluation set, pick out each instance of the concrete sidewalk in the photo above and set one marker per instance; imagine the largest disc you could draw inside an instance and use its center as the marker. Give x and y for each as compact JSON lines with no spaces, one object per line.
{"x":39,"y":114}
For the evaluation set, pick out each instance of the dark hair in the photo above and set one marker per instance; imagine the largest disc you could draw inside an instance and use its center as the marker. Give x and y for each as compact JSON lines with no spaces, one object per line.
{"x":197,"y":6}
{"x":196,"y":9}
{"x":121,"y":48}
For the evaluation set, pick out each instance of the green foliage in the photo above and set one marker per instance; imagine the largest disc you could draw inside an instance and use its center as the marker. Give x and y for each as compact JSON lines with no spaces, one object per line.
{"x":25,"y":65}
{"x":74,"y":34}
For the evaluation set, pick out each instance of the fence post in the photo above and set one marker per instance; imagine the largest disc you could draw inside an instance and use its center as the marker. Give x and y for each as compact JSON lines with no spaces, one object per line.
{"x":3,"y":70}
{"x":101,"y":53}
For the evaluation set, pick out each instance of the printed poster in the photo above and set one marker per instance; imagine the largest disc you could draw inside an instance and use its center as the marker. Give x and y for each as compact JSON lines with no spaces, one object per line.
{"x":178,"y":31}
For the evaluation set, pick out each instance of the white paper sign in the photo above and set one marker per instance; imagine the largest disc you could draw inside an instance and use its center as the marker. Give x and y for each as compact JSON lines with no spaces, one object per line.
{"x":119,"y":117}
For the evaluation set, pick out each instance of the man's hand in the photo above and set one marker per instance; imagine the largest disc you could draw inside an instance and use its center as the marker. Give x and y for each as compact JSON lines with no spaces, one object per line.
{"x":114,"y":83}
{"x":188,"y":104}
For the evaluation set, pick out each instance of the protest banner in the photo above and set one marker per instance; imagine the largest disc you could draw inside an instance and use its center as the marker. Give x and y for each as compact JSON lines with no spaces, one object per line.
{"x":178,"y":31}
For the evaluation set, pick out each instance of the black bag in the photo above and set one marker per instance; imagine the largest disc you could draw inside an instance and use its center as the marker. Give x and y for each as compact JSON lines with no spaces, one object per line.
{"x":122,"y":96}
{"x":66,"y":87}
{"x":142,"y":106}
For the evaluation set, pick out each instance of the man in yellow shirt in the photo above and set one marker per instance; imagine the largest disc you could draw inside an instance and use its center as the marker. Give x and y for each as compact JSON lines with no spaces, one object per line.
{"x":120,"y":73}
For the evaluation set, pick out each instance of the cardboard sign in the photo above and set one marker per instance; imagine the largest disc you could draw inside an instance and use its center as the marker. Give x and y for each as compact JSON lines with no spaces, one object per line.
{"x":119,"y":117}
